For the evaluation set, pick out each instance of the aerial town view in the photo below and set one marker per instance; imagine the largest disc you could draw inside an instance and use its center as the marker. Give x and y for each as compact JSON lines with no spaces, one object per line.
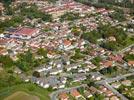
{"x":66,"y":49}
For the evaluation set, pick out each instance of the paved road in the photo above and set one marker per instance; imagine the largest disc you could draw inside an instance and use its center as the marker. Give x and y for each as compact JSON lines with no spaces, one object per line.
{"x":110,"y":80}
{"x":125,"y":49}
{"x":114,"y":91}
{"x":54,"y":95}
{"x":121,"y":65}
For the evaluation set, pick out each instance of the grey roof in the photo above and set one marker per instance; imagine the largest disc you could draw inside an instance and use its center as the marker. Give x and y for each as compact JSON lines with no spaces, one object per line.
{"x":53,"y":80}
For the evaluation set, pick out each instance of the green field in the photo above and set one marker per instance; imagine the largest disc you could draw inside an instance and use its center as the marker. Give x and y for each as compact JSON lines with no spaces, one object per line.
{"x":20,"y":95}
{"x":29,"y":89}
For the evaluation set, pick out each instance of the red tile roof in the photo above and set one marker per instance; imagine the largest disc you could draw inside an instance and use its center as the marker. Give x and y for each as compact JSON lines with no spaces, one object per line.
{"x":3,"y":41}
{"x":131,"y":62}
{"x":107,"y":63}
{"x":26,"y":31}
{"x":75,"y":93}
{"x":67,"y":42}
{"x":63,"y":96}
{"x":116,"y":58}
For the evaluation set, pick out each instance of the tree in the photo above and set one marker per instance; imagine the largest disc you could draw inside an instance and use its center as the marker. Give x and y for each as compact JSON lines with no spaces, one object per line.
{"x":6,"y":61}
{"x":33,"y":12}
{"x":42,"y":52}
{"x":75,"y":30}
{"x":118,"y":15}
{"x":47,"y":17}
{"x":36,"y":74}
{"x":99,"y":97}
{"x":52,"y":1}
{"x":128,"y":57}
{"x":82,"y":27}
{"x":26,"y":61}
{"x":112,"y":46}
{"x":9,"y":10}
{"x":96,"y":61}
{"x":81,"y":90}
{"x":70,"y":16}
{"x":7,"y":79}
{"x":91,"y":36}
{"x":77,"y":55}
{"x":24,"y":44}
{"x":7,"y":2}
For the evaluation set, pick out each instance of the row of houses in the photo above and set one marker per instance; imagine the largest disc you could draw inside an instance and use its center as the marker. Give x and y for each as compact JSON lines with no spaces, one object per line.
{"x":51,"y":81}
{"x":88,"y":93}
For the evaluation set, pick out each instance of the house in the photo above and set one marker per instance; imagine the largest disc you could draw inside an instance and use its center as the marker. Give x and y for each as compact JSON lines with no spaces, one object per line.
{"x":63,"y":79}
{"x":17,"y":70}
{"x":75,"y":94}
{"x":44,"y":83}
{"x":102,"y":11}
{"x":63,"y":96}
{"x":61,"y":85}
{"x":58,"y":63}
{"x":72,"y":66}
{"x":87,"y":94}
{"x":3,"y":51}
{"x":131,"y":63}
{"x":3,"y":42}
{"x":86,"y":69}
{"x":91,"y":66}
{"x":93,"y":90}
{"x":66,"y":45}
{"x":81,"y":70}
{"x":112,"y":38}
{"x":24,"y":77}
{"x":68,"y":62}
{"x":126,"y":82}
{"x":1,"y":8}
{"x":103,"y":89}
{"x":38,"y":57}
{"x":41,"y":69}
{"x":116,"y":85}
{"x":54,"y":86}
{"x":24,"y":33}
{"x":106,"y":64}
{"x":116,"y":58}
{"x":114,"y":98}
{"x":51,"y":54}
{"x":55,"y":71}
{"x":53,"y":82}
{"x":79,"y":78}
{"x":1,"y":68}
{"x":101,"y":51}
{"x":109,"y":93}
{"x":96,"y":76}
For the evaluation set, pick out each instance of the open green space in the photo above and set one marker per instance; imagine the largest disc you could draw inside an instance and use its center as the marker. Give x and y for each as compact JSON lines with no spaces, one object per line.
{"x":21,"y":96}
{"x":28,"y":88}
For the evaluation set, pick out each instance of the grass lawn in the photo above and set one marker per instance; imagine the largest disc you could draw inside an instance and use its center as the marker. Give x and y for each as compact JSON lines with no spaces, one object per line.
{"x":128,"y":41}
{"x":20,"y":95}
{"x":119,"y":71}
{"x":81,"y":98}
{"x":27,"y":88}
{"x":73,"y":84}
{"x":71,"y":97}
